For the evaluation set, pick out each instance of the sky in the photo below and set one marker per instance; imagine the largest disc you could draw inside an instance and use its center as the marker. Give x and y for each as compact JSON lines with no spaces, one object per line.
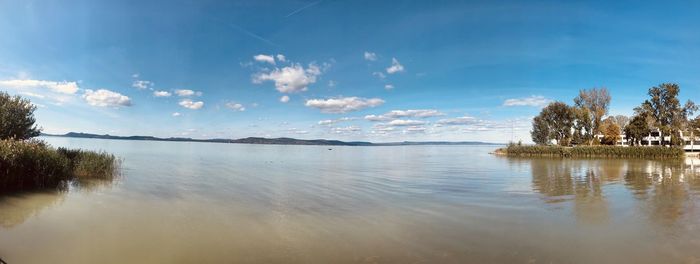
{"x":376,"y":71}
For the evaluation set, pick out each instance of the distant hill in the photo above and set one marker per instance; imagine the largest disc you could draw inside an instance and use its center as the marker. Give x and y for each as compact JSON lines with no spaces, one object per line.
{"x":271,"y":141}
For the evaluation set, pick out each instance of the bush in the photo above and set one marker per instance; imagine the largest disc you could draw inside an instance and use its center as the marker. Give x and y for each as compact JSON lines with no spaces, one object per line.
{"x":27,"y":165}
{"x":17,"y":118}
{"x":593,"y":152}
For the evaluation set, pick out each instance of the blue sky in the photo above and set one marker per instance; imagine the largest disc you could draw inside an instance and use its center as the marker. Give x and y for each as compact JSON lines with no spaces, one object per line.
{"x":351,"y":70}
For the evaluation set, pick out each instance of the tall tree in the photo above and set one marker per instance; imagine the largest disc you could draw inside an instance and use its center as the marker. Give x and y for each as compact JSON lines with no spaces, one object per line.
{"x":540,"y":131}
{"x":610,"y":130}
{"x":558,"y":119}
{"x":637,"y":129}
{"x":666,"y":111}
{"x":583,"y":126}
{"x":597,"y":102}
{"x":17,"y":118}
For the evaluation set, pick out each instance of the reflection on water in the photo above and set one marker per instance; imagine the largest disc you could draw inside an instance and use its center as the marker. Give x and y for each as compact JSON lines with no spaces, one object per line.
{"x":227,"y":203}
{"x":664,"y":188}
{"x":15,"y":208}
{"x":18,"y":208}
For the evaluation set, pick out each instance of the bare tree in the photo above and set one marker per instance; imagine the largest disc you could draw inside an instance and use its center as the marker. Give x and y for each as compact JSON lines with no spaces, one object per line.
{"x":597,"y":101}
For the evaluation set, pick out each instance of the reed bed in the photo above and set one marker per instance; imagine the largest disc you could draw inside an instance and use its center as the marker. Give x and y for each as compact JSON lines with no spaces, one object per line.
{"x":593,"y":152}
{"x":32,"y":164}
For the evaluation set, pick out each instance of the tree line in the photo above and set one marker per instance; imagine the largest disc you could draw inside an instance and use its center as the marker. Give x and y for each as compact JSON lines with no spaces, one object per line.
{"x":578,"y":124}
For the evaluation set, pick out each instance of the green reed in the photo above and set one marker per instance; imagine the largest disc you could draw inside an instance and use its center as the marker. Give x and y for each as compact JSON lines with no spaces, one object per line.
{"x":32,"y":164}
{"x":593,"y":152}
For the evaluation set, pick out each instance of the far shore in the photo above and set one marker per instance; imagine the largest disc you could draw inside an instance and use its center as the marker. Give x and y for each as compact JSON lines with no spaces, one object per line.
{"x":279,"y":141}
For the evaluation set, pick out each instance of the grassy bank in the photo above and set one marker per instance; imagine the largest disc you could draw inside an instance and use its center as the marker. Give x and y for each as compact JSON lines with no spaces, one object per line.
{"x":592,"y":152}
{"x":29,"y":165}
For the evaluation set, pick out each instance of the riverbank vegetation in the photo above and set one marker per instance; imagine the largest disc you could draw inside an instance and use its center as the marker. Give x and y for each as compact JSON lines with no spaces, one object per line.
{"x":583,"y":130}
{"x":599,"y":151}
{"x":28,"y":164}
{"x":584,"y":124}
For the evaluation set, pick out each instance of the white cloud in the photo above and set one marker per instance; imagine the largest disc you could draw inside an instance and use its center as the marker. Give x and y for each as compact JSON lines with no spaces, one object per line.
{"x":187,"y":103}
{"x":297,"y":131}
{"x":377,"y":118}
{"x":343,"y":104}
{"x":465,"y":120}
{"x":284,"y":99}
{"x":379,"y":75}
{"x":382,"y":130}
{"x":176,"y":114}
{"x":141,"y":84}
{"x":106,"y":98}
{"x":422,"y":113}
{"x":346,"y":130}
{"x":264,"y":58}
{"x":535,"y":100}
{"x":63,"y":87}
{"x":402,"y":122}
{"x":161,"y":94}
{"x":408,"y":127}
{"x":396,"y":114}
{"x":33,"y":94}
{"x":389,"y":86}
{"x":332,"y":83}
{"x":235,"y":106}
{"x":186,"y":92}
{"x":415,"y":129}
{"x":469,"y":124}
{"x":290,"y":79}
{"x":395,"y":67}
{"x":281,"y":58}
{"x":334,"y":121}
{"x":370,"y":56}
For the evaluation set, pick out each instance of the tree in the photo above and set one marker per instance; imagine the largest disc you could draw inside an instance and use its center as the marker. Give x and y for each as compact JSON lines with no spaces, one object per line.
{"x":540,"y":131}
{"x":666,"y":111}
{"x":610,"y":130}
{"x":695,"y":124}
{"x":621,"y":120}
{"x":17,"y":118}
{"x":556,"y":121}
{"x":637,"y":129}
{"x":597,"y":102}
{"x":583,"y":126}
{"x":694,"y":127}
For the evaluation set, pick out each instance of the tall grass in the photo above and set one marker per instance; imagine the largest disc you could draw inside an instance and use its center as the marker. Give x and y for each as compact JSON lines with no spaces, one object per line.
{"x":593,"y":152}
{"x":27,"y":165}
{"x":90,"y":164}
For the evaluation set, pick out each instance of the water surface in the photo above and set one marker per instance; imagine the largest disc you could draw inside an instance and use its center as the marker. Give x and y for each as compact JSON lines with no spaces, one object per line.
{"x":180,"y":202}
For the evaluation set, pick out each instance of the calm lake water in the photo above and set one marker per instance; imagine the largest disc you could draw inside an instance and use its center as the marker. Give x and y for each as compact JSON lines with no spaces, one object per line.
{"x":227,"y":203}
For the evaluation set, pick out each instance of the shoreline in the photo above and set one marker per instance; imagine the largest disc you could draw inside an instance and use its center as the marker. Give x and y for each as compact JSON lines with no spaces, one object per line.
{"x":598,"y":151}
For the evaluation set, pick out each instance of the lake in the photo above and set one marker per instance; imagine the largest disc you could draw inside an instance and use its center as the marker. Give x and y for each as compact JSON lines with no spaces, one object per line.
{"x":180,"y":202}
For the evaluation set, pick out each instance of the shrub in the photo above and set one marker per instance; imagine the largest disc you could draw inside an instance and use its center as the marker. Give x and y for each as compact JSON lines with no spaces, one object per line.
{"x":17,"y":118}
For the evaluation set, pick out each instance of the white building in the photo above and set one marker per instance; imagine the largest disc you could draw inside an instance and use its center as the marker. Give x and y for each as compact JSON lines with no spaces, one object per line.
{"x":691,"y":141}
